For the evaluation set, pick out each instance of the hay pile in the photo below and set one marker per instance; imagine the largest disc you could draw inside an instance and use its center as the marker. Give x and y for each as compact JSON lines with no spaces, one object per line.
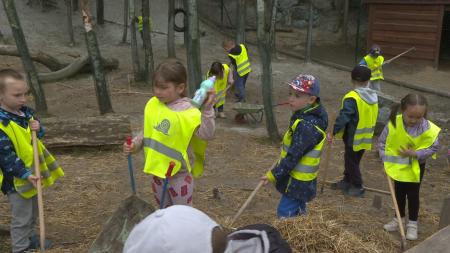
{"x":325,"y":231}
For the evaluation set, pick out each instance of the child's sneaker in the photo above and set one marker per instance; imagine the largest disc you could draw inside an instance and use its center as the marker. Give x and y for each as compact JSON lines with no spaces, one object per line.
{"x":392,"y":225}
{"x":355,"y":191}
{"x":222,"y":115}
{"x":340,"y":185}
{"x":36,"y":244}
{"x":411,"y":230}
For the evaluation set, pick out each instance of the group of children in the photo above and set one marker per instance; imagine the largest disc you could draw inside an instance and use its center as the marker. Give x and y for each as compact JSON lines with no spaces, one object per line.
{"x":177,"y":132}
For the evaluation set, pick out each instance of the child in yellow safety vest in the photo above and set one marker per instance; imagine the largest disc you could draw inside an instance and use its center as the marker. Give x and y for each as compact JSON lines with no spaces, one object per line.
{"x":224,"y":78}
{"x":174,"y":131}
{"x":17,"y":178}
{"x":241,"y":65}
{"x":295,"y":175}
{"x":355,"y":124}
{"x":404,"y":145}
{"x":374,"y":61}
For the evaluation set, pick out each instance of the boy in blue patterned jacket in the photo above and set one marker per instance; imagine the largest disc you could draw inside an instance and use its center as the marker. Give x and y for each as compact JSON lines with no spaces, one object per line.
{"x":295,"y":175}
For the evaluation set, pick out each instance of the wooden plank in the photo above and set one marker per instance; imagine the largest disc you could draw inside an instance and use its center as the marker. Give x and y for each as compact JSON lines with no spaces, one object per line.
{"x":405,"y":2}
{"x":437,"y":243}
{"x":403,"y":15}
{"x":404,"y":38}
{"x":415,"y":22}
{"x":445,"y":213}
{"x":385,"y":26}
{"x":407,"y":7}
{"x":90,"y":131}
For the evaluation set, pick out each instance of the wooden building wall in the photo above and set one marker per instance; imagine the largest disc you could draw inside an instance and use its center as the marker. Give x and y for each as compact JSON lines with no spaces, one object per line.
{"x":397,"y":27}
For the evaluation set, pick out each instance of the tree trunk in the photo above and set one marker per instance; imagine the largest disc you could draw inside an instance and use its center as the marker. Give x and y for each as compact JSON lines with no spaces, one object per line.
{"x":125,"y":21}
{"x":170,"y":30}
{"x":193,"y":48}
{"x":100,"y":12}
{"x":272,"y":31}
{"x":31,"y":74}
{"x":241,"y":15}
{"x":266,"y":61}
{"x":69,"y":22}
{"x":101,"y":88}
{"x":147,"y":40}
{"x":345,"y":23}
{"x":134,"y":46}
{"x":309,"y":34}
{"x":75,"y":5}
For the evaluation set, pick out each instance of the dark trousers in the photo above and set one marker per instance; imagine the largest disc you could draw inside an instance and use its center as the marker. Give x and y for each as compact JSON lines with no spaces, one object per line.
{"x":239,"y":87}
{"x":409,"y":190}
{"x":352,"y":173}
{"x":219,"y":108}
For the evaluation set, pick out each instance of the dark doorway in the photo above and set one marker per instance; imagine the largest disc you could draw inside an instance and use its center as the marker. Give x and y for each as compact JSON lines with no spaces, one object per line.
{"x":444,"y":57}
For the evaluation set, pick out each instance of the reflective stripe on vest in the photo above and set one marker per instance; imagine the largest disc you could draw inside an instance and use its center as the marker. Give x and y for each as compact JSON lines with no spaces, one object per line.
{"x":220,"y":85}
{"x":375,"y":65}
{"x":167,"y":136}
{"x":242,"y":62}
{"x":406,"y":169}
{"x":367,"y":119}
{"x":21,"y":140}
{"x":308,"y":166}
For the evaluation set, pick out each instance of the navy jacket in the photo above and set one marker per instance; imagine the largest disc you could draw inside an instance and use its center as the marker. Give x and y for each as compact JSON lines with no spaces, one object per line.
{"x":304,"y":139}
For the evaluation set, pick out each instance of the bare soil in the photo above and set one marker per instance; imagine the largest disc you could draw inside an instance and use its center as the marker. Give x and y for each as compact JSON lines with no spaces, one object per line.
{"x":96,"y":179}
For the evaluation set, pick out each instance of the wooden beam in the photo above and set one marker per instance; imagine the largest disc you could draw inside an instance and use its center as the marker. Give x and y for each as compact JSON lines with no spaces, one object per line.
{"x":436,"y":243}
{"x":90,"y":131}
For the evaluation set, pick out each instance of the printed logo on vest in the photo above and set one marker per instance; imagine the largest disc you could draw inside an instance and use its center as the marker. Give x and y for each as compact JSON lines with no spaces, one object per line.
{"x":163,"y":127}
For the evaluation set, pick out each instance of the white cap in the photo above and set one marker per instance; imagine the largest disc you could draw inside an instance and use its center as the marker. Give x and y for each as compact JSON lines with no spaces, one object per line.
{"x":176,"y":229}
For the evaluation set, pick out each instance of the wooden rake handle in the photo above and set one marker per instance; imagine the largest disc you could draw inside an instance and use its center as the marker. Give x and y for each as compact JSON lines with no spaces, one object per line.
{"x":250,"y":198}
{"x":397,"y":213}
{"x":37,"y":172}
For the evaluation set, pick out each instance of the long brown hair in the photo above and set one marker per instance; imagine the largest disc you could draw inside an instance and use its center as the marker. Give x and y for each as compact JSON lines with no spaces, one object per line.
{"x":411,"y":99}
{"x":216,"y":70}
{"x":171,"y":70}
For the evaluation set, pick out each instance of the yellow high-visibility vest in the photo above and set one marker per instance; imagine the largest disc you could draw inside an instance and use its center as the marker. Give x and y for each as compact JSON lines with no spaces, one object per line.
{"x":21,"y":140}
{"x":367,"y":119}
{"x":406,"y":169}
{"x":220,"y":85}
{"x":167,"y":135}
{"x":141,"y":23}
{"x":307,"y":168}
{"x":242,"y":62}
{"x":375,"y":65}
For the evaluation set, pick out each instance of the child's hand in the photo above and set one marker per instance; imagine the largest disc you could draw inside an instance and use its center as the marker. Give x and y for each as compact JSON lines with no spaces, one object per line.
{"x":127,"y":149}
{"x":35,"y":126}
{"x":330,"y":138}
{"x":264,"y":179}
{"x":211,"y":99}
{"x":407,"y":152}
{"x":34,"y":180}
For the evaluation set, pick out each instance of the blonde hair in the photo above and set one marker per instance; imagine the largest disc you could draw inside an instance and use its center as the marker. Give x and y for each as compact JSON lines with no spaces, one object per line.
{"x":8,"y":73}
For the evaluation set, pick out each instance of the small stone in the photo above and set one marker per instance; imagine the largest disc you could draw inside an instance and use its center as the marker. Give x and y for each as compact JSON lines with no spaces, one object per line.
{"x":377,"y":202}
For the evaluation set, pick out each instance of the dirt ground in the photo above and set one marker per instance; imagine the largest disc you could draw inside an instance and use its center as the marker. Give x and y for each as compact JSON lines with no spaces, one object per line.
{"x":96,"y":179}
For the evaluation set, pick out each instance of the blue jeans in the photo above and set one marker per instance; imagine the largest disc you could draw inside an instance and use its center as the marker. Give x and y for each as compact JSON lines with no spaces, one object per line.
{"x":240,"y":87}
{"x":290,"y":207}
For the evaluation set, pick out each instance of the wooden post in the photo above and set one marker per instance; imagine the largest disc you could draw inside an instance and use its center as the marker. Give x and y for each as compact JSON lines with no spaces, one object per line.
{"x":101,"y":88}
{"x":345,"y":22}
{"x":125,"y":21}
{"x":445,"y":213}
{"x":100,"y":12}
{"x":170,"y":30}
{"x":147,"y":40}
{"x":241,"y":16}
{"x":134,"y":49}
{"x":266,"y":61}
{"x":309,"y":34}
{"x":193,"y":48}
{"x":69,"y":22}
{"x":30,"y":70}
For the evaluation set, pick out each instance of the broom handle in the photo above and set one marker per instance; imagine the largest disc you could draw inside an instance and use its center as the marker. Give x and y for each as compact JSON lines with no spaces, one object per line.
{"x":328,"y":153}
{"x":37,"y":171}
{"x":397,"y":212}
{"x":250,"y":198}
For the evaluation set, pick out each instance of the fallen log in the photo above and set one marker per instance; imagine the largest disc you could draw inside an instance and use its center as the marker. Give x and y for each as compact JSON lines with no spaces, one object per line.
{"x":55,"y":65}
{"x":367,"y":189}
{"x":86,"y":132}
